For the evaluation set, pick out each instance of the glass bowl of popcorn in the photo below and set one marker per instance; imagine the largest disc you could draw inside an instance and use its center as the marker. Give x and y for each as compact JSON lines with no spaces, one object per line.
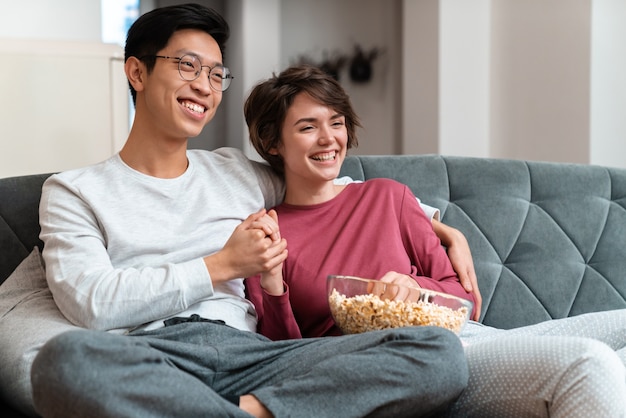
{"x":360,"y":305}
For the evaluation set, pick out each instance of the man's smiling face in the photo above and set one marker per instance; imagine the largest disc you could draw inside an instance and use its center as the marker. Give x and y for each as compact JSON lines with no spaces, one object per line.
{"x":179,"y":109}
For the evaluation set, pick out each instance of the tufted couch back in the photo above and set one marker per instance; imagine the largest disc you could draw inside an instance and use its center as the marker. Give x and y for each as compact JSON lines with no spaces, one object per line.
{"x":548,"y":239}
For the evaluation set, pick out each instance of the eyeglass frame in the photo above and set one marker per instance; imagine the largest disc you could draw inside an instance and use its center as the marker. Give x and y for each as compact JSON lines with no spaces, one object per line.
{"x":180,"y":71}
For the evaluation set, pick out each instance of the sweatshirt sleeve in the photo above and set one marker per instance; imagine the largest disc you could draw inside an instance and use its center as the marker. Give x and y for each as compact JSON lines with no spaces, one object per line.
{"x":275,"y":316}
{"x":88,"y":289}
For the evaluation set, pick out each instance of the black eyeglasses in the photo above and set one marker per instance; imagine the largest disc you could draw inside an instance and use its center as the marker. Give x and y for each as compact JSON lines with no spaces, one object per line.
{"x":190,"y":68}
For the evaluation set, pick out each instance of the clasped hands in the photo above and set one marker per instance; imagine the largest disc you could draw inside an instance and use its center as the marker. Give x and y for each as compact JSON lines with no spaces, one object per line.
{"x":256,"y":247}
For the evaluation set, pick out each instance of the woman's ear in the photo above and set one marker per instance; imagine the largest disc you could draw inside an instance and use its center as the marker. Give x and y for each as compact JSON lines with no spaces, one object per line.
{"x":273,"y":151}
{"x":135,"y":70}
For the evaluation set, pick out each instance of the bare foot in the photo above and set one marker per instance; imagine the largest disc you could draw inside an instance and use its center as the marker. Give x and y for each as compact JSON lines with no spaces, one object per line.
{"x":251,"y":405}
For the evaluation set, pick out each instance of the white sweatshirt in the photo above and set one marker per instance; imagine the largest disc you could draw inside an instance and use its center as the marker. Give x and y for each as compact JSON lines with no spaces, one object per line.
{"x":123,"y":249}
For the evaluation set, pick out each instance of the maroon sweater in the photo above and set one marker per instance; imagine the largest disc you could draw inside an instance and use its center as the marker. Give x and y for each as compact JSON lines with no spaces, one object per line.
{"x":367,"y":230}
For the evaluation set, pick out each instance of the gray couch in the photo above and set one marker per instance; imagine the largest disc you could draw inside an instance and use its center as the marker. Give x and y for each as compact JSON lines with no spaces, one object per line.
{"x":548,"y":239}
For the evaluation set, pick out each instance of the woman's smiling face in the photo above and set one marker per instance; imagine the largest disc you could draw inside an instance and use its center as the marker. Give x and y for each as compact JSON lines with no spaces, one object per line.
{"x":313,"y":141}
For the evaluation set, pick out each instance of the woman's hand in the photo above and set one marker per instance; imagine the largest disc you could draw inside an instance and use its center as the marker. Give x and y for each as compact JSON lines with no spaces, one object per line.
{"x":271,"y":280}
{"x":461,"y":258}
{"x":407,"y":291}
{"x":254,"y":247}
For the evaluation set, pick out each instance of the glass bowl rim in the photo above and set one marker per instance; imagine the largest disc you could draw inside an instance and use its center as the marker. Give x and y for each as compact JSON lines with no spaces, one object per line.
{"x":469,"y":303}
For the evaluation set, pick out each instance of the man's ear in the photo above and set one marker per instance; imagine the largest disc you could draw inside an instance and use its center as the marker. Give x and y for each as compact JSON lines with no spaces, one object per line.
{"x":135,"y":72}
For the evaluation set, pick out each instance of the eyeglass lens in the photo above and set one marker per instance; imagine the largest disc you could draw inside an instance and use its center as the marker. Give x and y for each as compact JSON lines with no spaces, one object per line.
{"x":190,"y":69}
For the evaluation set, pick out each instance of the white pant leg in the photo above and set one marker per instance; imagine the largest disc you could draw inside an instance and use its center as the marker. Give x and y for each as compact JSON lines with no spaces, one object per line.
{"x":528,"y":376}
{"x":608,"y":327}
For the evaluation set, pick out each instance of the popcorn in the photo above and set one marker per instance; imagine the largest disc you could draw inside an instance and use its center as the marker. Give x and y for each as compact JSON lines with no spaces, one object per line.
{"x":368,"y":312}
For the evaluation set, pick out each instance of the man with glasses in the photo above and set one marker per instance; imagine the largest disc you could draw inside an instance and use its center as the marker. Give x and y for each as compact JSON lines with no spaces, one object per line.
{"x":146,"y":251}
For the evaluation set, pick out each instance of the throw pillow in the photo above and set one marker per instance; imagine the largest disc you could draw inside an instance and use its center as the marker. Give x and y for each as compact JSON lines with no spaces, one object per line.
{"x":28,"y":278}
{"x":28,"y":318}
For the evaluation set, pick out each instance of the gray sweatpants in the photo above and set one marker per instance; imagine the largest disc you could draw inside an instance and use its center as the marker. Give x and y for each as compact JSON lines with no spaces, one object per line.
{"x":193,"y":369}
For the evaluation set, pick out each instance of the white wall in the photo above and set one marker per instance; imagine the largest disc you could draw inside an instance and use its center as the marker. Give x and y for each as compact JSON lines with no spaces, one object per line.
{"x":540,"y":85}
{"x":420,"y":77}
{"x":608,"y":83}
{"x":521,"y":79}
{"x":46,"y":125}
{"x":74,"y":20}
{"x":465,"y":33}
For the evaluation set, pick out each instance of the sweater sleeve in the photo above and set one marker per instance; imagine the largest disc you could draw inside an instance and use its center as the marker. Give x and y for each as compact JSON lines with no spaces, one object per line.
{"x":88,"y":289}
{"x":275,"y":316}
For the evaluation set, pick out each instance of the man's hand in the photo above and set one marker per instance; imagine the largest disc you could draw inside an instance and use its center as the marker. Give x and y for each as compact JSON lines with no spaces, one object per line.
{"x":254,"y":247}
{"x":461,"y":259}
